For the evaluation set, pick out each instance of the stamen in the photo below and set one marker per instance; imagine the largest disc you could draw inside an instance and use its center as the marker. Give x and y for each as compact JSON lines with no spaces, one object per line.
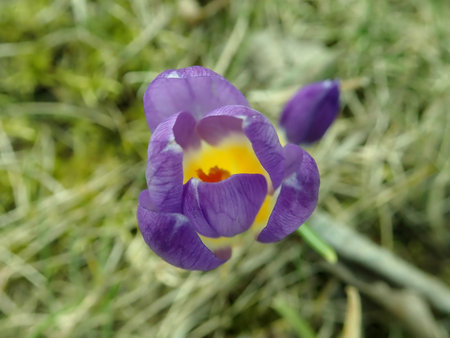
{"x":215,"y":174}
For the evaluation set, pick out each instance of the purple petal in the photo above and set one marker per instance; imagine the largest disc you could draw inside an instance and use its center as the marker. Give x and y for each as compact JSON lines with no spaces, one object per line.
{"x":298,"y":196}
{"x":164,"y":171}
{"x":184,"y":131}
{"x":308,"y":115}
{"x":225,"y":208}
{"x":172,"y":237}
{"x":196,"y":90}
{"x":256,"y":127}
{"x":215,"y":128}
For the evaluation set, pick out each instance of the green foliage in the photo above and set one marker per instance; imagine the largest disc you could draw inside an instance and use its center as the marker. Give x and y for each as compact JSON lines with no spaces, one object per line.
{"x":73,"y":142}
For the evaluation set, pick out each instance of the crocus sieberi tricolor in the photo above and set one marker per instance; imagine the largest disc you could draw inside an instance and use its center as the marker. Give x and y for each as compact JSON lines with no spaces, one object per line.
{"x":216,"y":169}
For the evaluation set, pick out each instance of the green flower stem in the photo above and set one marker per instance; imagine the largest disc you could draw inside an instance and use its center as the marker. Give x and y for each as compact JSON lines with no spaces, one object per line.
{"x":292,"y":316}
{"x":317,"y":243}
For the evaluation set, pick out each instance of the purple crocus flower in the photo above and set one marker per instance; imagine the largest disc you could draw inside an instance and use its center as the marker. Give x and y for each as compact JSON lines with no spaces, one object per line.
{"x":307,"y":116}
{"x":216,"y":169}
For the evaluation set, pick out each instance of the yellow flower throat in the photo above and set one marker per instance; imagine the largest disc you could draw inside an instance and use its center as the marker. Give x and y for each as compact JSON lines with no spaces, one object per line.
{"x":233,"y":155}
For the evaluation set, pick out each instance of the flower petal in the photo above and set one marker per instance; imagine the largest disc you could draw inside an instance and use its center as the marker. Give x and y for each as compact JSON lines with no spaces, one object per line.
{"x":298,"y":196}
{"x":307,"y":116}
{"x":164,"y":171}
{"x":184,"y":131}
{"x":172,"y":237}
{"x":214,"y":129}
{"x":256,"y":127}
{"x":225,"y":208}
{"x":196,"y":90}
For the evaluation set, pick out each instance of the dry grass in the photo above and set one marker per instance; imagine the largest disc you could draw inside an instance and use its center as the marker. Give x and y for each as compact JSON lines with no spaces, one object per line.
{"x":73,"y":141}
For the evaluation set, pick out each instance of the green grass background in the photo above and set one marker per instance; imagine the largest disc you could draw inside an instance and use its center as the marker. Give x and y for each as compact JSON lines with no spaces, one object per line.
{"x":73,"y":140}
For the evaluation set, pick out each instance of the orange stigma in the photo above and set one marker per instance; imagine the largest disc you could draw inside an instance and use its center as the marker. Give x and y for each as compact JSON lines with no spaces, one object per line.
{"x":215,"y":174}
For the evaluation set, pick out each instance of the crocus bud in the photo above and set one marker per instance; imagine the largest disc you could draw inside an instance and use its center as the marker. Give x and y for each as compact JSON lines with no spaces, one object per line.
{"x":310,"y":112}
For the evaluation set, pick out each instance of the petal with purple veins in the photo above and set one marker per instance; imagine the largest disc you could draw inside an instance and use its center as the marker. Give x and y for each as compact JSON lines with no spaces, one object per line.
{"x":224,"y":208}
{"x":298,"y":196}
{"x":172,"y":237}
{"x":196,"y":90}
{"x":164,"y":171}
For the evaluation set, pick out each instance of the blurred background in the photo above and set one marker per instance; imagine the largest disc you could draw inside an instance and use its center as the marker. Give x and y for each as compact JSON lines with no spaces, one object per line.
{"x":73,"y":142}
